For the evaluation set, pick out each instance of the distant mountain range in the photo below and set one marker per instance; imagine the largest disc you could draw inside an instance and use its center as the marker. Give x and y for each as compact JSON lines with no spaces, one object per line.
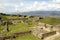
{"x":38,"y":13}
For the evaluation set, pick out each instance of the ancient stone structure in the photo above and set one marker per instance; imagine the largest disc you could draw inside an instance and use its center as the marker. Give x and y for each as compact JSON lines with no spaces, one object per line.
{"x":42,"y":29}
{"x":7,"y":27}
{"x":57,"y":28}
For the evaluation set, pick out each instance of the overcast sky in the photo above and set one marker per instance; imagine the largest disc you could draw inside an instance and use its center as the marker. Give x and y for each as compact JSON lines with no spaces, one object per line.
{"x":29,"y":5}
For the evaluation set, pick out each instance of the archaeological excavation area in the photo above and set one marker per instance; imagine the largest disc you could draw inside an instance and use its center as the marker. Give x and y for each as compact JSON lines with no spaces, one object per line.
{"x":23,"y":27}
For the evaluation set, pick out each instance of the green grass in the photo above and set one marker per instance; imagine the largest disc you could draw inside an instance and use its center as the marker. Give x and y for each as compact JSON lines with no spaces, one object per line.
{"x":28,"y":36}
{"x":57,"y":38}
{"x":20,"y":27}
{"x":50,"y":20}
{"x":15,"y":28}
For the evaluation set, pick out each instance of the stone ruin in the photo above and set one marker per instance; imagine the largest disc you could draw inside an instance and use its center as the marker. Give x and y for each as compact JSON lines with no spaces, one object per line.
{"x":42,"y":30}
{"x":57,"y":28}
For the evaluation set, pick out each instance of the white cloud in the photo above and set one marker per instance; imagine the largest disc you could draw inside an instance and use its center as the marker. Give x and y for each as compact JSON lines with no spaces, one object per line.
{"x":47,"y":6}
{"x":21,"y":4}
{"x":53,"y":5}
{"x":56,"y":1}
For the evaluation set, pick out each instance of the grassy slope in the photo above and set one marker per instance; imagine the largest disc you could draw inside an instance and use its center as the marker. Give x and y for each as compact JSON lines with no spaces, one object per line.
{"x":26,"y":37}
{"x":50,"y":20}
{"x":21,"y":27}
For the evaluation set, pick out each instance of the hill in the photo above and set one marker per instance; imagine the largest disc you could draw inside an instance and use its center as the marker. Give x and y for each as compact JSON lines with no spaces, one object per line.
{"x":38,"y":13}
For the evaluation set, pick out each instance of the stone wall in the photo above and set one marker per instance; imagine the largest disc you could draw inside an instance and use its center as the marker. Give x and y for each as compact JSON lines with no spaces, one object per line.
{"x":14,"y":35}
{"x":49,"y":34}
{"x":43,"y":29}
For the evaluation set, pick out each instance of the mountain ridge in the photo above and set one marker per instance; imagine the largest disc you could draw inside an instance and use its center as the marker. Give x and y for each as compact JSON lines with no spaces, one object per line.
{"x":37,"y":13}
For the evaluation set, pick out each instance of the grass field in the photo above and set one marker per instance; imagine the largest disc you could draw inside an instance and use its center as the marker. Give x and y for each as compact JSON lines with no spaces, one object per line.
{"x":52,"y":21}
{"x":25,"y":26}
{"x":20,"y":27}
{"x":28,"y":36}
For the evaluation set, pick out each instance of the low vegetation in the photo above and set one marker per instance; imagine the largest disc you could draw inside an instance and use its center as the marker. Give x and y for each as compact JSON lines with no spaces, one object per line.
{"x":23,"y":25}
{"x":57,"y":38}
{"x":51,"y":21}
{"x":28,"y":36}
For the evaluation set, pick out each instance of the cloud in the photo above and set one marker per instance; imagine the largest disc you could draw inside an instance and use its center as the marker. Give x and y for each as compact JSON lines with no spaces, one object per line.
{"x":56,"y":1}
{"x":32,"y":6}
{"x":54,"y":5}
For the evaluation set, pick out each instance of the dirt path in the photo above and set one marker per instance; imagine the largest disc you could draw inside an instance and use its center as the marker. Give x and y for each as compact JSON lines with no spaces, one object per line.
{"x":52,"y":37}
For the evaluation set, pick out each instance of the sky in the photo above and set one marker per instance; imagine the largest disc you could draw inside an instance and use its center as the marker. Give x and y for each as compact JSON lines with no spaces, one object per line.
{"x":29,"y":5}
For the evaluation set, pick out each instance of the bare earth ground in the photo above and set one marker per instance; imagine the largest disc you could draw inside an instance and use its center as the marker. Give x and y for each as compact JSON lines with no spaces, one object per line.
{"x":52,"y":37}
